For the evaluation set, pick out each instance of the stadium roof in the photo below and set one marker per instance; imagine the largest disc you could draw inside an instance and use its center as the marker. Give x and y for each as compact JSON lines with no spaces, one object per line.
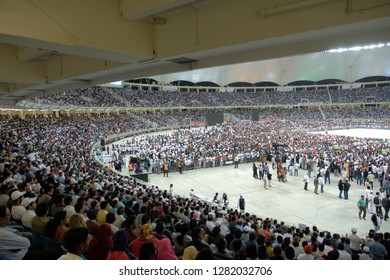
{"x":48,"y":46}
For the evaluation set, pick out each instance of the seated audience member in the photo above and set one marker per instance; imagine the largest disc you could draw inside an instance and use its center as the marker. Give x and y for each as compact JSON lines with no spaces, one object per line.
{"x":110,"y":219}
{"x":101,"y":216}
{"x":308,"y":253}
{"x":181,"y":239}
{"x":39,"y":222}
{"x":78,"y":219}
{"x":290,"y":253}
{"x":12,"y":245}
{"x":147,"y":251}
{"x":377,"y":249}
{"x":165,"y":250}
{"x":58,"y":204}
{"x":56,"y":227}
{"x":47,"y":195}
{"x":17,"y":209}
{"x":365,"y":255}
{"x":146,"y":236}
{"x":69,"y":207}
{"x":205,"y":254}
{"x":76,"y":241}
{"x":30,"y":205}
{"x":189,"y":253}
{"x":100,"y":244}
{"x":130,"y":228}
{"x":4,"y":195}
{"x":91,"y":223}
{"x":119,"y":249}
{"x":119,"y":218}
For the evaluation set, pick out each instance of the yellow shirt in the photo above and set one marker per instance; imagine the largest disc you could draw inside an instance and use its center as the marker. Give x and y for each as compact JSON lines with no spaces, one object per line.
{"x":101,"y":216}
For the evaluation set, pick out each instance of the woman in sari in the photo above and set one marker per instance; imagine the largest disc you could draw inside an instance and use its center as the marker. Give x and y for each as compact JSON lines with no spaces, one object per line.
{"x":100,"y":244}
{"x":165,"y":250}
{"x":145,"y":237}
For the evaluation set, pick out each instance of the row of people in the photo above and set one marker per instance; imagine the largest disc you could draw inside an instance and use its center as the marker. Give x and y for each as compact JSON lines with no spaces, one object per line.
{"x":106,"y":97}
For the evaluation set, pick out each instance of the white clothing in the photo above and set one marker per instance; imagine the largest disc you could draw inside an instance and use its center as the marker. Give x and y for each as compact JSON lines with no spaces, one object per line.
{"x":12,"y":245}
{"x":69,"y":211}
{"x":17,"y":212}
{"x":344,"y":255}
{"x":70,"y":257}
{"x":114,"y":229}
{"x":119,"y":219}
{"x":307,"y":257}
{"x":27,"y":218}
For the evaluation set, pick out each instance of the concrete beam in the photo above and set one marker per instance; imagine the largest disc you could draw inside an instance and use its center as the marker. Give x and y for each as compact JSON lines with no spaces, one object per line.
{"x":63,"y":66}
{"x":28,"y":54}
{"x":133,"y":10}
{"x":14,"y":71}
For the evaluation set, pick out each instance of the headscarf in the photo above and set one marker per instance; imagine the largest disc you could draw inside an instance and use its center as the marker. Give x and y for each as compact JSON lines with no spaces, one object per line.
{"x":165,"y":250}
{"x":100,"y":244}
{"x":76,"y":221}
{"x":190,"y":253}
{"x":146,"y":232}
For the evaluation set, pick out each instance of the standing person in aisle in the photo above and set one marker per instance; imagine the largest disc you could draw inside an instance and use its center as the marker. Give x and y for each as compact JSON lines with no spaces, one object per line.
{"x":269,"y":176}
{"x":179,"y":166}
{"x":265,"y":180}
{"x":254,"y":168}
{"x":165,"y":169}
{"x":362,"y":207}
{"x":376,"y":219}
{"x":321,"y":182}
{"x":236,"y":161}
{"x":306,"y":181}
{"x":241,"y":205}
{"x":316,"y":184}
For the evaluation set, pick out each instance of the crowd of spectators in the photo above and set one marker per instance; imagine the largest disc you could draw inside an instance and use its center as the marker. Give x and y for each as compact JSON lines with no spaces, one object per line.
{"x":214,"y":146}
{"x":114,"y":97}
{"x":47,"y":162}
{"x":84,"y":97}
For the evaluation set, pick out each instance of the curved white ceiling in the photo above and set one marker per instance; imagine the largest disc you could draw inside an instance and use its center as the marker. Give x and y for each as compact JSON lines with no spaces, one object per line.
{"x":347,"y":66}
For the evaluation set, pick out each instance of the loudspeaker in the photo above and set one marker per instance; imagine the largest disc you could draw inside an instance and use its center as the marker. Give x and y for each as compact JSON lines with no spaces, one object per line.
{"x":102,"y":142}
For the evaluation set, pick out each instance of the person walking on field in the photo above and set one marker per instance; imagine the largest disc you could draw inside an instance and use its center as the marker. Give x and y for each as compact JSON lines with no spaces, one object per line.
{"x":165,"y":168}
{"x":254,"y":168}
{"x":180,"y":167}
{"x":269,"y":176}
{"x":321,"y":182}
{"x":306,"y":181}
{"x":241,"y":205}
{"x":316,"y":184}
{"x":362,"y":207}
{"x":265,"y":180}
{"x":236,"y":161}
